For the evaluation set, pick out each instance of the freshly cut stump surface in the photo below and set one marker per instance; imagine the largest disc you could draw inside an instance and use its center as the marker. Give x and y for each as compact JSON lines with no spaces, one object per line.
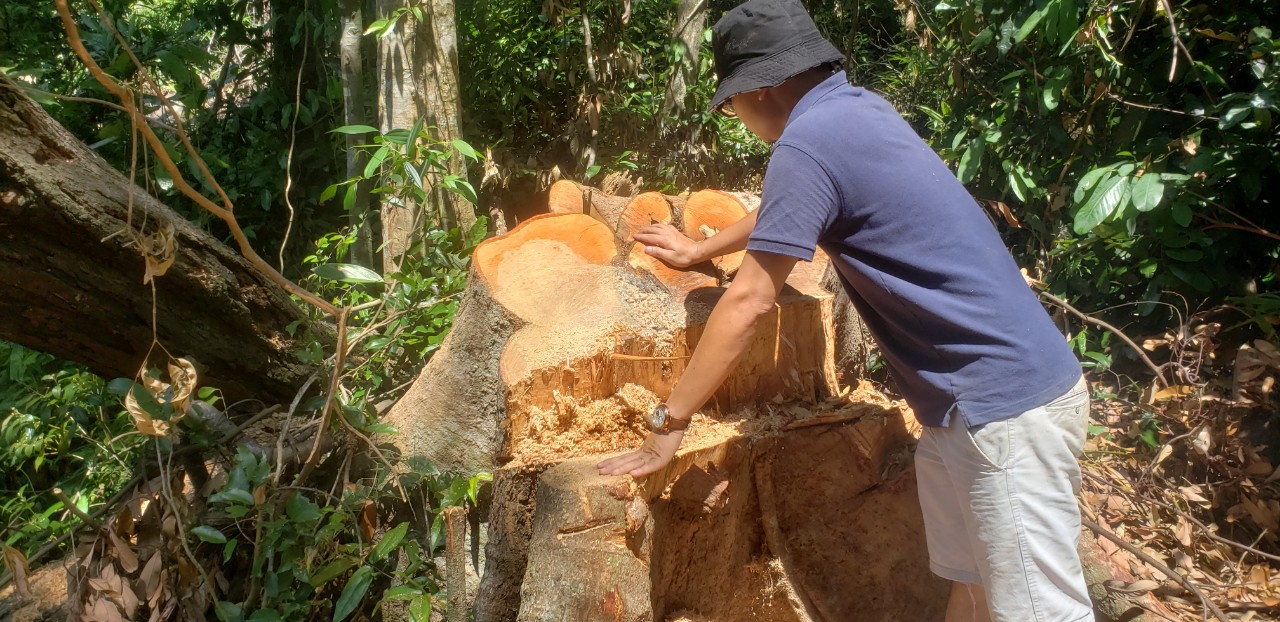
{"x":791,"y":498}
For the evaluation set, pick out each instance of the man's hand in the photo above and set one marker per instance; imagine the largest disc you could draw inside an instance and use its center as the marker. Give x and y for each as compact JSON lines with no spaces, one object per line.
{"x":670,"y":245}
{"x":656,"y":451}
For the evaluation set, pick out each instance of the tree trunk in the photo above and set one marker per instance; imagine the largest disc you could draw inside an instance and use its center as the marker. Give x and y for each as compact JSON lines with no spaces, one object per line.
{"x":72,"y":281}
{"x":691,"y":18}
{"x":565,"y":338}
{"x":351,"y":62}
{"x":418,"y":78}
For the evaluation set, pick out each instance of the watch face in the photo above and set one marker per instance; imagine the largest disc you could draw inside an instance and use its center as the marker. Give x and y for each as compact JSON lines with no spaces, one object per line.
{"x":658,"y":418}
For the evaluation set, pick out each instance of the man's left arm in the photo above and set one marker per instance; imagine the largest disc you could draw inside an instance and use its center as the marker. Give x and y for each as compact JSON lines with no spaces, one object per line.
{"x":729,"y":331}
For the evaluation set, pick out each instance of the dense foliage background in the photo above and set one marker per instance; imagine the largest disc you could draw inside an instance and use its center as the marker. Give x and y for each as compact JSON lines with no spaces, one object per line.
{"x":1127,"y":150}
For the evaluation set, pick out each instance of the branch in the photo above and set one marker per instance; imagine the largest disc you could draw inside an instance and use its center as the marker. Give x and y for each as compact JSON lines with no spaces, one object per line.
{"x":1116,"y":331}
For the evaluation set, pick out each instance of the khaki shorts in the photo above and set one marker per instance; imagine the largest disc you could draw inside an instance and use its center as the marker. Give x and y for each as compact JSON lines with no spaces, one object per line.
{"x":999,"y":504}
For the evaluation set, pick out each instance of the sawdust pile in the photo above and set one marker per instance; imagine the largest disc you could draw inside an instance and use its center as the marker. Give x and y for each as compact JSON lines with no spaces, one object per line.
{"x":577,"y":427}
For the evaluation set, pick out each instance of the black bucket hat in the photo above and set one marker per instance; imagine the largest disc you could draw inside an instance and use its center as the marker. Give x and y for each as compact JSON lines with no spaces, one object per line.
{"x":761,"y":43}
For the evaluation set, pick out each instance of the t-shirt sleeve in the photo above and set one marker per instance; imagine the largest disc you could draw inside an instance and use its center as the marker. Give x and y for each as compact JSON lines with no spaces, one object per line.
{"x":797,"y":205}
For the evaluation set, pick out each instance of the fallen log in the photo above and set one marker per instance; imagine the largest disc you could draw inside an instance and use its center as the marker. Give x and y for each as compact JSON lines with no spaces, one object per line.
{"x":71,"y":273}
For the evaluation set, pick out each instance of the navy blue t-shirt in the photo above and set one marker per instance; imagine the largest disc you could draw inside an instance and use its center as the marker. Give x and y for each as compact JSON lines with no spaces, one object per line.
{"x":957,"y":324}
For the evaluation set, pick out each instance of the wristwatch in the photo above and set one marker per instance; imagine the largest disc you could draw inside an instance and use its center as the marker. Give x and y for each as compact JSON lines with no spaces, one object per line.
{"x":661,"y":421}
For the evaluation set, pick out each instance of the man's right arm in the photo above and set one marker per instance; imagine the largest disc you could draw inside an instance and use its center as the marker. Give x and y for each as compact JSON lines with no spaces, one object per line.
{"x":676,"y":249}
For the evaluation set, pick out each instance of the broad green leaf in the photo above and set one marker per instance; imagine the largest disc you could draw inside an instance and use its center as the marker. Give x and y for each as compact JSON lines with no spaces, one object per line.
{"x":462,"y":188}
{"x":347,"y":273}
{"x":329,"y":192}
{"x":331,"y":571}
{"x":265,"y":615}
{"x":1182,"y":214}
{"x":1234,"y":115}
{"x":1101,"y":204}
{"x":1087,"y":182}
{"x":1147,"y":192}
{"x":228,"y":611}
{"x":389,"y":541}
{"x":300,"y":509}
{"x":233,"y":495}
{"x":209,"y":534}
{"x":353,"y":593}
{"x":466,"y":149}
{"x":354,"y":129}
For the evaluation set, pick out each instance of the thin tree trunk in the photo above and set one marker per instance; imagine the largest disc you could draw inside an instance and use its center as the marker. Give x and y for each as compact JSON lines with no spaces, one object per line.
{"x":418,"y":78}
{"x":351,"y":60}
{"x":71,"y":274}
{"x":444,"y":104}
{"x":397,"y":108}
{"x":691,"y":18}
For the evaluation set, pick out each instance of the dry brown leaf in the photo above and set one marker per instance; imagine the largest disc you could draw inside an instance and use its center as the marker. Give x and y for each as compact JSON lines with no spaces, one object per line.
{"x":1183,"y":532}
{"x":142,"y":420}
{"x":183,"y":380}
{"x":124,"y":553}
{"x":1192,"y":494}
{"x":158,"y":251}
{"x":1137,"y":587}
{"x":1177,"y":390}
{"x":16,"y":563}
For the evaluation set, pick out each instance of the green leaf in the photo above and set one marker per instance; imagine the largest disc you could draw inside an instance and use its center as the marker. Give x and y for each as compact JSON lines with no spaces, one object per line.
{"x":1103,"y":201}
{"x":1147,"y":192}
{"x":1087,"y":182}
{"x":228,"y":611}
{"x":119,"y":386}
{"x":1234,"y":115}
{"x":376,"y":161}
{"x":378,"y":26}
{"x":265,"y":615}
{"x":331,"y":571}
{"x":402,"y":592}
{"x":466,"y":149}
{"x":349,"y":198}
{"x":233,"y":495}
{"x":464,"y":189}
{"x":209,"y":534}
{"x":300,"y":509}
{"x":355,"y":129}
{"x":353,"y":593}
{"x":972,"y":159}
{"x":347,"y":273}
{"x":329,"y":192}
{"x":389,"y":541}
{"x":1182,"y":214}
{"x":1033,"y":20}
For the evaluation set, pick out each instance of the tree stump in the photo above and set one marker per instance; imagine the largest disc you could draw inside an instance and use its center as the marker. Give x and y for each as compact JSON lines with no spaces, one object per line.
{"x":792,"y":498}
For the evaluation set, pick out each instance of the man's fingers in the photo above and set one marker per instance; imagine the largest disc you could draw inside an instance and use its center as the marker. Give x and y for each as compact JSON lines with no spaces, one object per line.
{"x":621,"y":464}
{"x":664,"y":254}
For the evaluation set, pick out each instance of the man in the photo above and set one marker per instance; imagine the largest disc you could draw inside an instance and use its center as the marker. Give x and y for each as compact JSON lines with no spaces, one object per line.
{"x":995,"y":385}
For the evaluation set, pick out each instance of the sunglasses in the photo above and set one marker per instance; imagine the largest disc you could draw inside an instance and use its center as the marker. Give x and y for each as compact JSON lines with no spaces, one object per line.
{"x":726,"y":109}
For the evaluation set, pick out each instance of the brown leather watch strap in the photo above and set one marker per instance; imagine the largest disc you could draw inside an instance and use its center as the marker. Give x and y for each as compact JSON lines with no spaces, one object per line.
{"x":677,"y":425}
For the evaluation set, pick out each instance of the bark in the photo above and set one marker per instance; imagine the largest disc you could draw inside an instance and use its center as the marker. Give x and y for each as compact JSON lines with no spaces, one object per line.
{"x":72,"y":282}
{"x":691,"y":18}
{"x":418,"y":78}
{"x":351,"y":62}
